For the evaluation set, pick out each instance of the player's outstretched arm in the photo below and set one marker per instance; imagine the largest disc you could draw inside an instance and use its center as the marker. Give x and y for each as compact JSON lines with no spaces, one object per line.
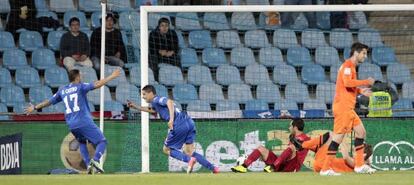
{"x":145,"y":109}
{"x":348,"y":82}
{"x":29,"y":109}
{"x":102,"y":82}
{"x":170,"y":105}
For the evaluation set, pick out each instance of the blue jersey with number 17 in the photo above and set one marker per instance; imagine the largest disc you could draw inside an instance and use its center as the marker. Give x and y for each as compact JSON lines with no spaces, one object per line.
{"x":77,"y":113}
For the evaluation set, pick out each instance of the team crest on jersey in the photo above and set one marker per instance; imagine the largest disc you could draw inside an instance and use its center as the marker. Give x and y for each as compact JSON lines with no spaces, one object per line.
{"x":347,"y":71}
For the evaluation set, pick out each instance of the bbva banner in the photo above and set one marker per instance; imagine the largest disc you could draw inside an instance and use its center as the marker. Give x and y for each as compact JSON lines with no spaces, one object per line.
{"x":11,"y":154}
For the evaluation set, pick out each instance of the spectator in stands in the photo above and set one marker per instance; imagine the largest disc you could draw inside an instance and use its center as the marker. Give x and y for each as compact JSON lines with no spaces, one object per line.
{"x":74,"y":46}
{"x":288,"y":18}
{"x":191,"y":2}
{"x":163,"y":46}
{"x":115,"y":54}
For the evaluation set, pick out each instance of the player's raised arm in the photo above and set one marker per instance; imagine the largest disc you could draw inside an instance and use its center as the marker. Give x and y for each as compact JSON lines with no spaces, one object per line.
{"x":170,"y":105}
{"x":102,"y":82}
{"x":29,"y":109}
{"x":145,"y":109}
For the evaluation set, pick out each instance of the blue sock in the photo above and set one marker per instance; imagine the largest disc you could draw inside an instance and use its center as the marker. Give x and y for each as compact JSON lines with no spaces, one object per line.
{"x":203,"y":161}
{"x":100,"y":149}
{"x":179,"y":155}
{"x":84,"y":153}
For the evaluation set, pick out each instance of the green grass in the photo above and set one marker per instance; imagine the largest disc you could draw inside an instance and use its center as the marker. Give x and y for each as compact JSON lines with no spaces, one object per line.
{"x":302,"y":178}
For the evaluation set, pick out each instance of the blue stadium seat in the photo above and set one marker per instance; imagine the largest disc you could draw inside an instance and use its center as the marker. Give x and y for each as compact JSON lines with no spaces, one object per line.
{"x":119,"y":5}
{"x":4,"y":6}
{"x":370,"y":37}
{"x":184,"y":93}
{"x":90,"y":5}
{"x":199,"y":39}
{"x":57,"y":108}
{"x":188,"y":57}
{"x":27,"y":77}
{"x":96,"y":19}
{"x":7,"y":41}
{"x":243,"y":21}
{"x":95,"y":95}
{"x":88,"y":74}
{"x":313,"y":74}
{"x":80,"y":15}
{"x":30,"y":40}
{"x":62,"y":6}
{"x":284,"y":39}
{"x":357,"y":20}
{"x":326,"y":56}
{"x":135,"y":76}
{"x":257,"y":2}
{"x":241,"y":57}
{"x":153,"y":19}
{"x":340,"y":38}
{"x":383,"y":56}
{"x":286,"y":105}
{"x":198,"y":106}
{"x":239,"y":93}
{"x":301,"y":22}
{"x":161,"y":90}
{"x":256,"y":74}
{"x":233,"y":2}
{"x":215,"y":21}
{"x":199,"y":74}
{"x":334,"y":72}
{"x":136,"y":40}
{"x":211,"y":93}
{"x":268,"y":92}
{"x":138,"y":3}
{"x":53,"y":39}
{"x":228,"y":39}
{"x":313,"y":38}
{"x":323,"y":20}
{"x":19,"y":107}
{"x":314,"y":105}
{"x":56,"y":77}
{"x":228,"y":74}
{"x":402,"y":108}
{"x":170,"y":75}
{"x":256,"y":105}
{"x":296,"y":92}
{"x":11,"y":94}
{"x":298,"y":56}
{"x":126,"y":91}
{"x":213,"y":57}
{"x":366,"y":70}
{"x":43,"y":58}
{"x":398,"y":73}
{"x":285,"y":74}
{"x":3,"y":108}
{"x":129,"y":21}
{"x":181,"y":41}
{"x":38,"y":94}
{"x":14,"y":59}
{"x":256,"y":39}
{"x":408,"y":90}
{"x":270,"y":56}
{"x":325,"y":92}
{"x":1,"y":24}
{"x":187,"y":21}
{"x":5,"y":77}
{"x":120,"y":79}
{"x":113,"y":106}
{"x":227,"y":106}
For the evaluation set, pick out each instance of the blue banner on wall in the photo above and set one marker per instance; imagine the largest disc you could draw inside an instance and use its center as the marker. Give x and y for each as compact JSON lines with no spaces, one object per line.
{"x":11,"y":154}
{"x":268,"y":114}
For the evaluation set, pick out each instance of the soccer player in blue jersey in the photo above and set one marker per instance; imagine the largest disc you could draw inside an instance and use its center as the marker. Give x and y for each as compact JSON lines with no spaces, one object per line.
{"x":78,"y":116}
{"x":181,"y":132}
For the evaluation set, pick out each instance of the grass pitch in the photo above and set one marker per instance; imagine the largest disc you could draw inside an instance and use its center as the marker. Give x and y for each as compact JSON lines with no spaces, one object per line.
{"x":301,"y":178}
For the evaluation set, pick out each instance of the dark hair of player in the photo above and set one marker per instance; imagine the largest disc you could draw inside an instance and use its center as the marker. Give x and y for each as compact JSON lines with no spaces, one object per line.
{"x":73,"y":74}
{"x":165,"y":20}
{"x":367,"y":151}
{"x":358,"y":47}
{"x":73,"y":19}
{"x":149,"y":88}
{"x":298,"y":123}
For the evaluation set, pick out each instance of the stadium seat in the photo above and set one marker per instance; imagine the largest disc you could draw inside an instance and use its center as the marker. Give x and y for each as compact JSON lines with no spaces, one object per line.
{"x":313,"y":38}
{"x":298,"y":56}
{"x":213,"y":57}
{"x":323,"y":20}
{"x":43,"y":58}
{"x":215,"y":21}
{"x":270,"y":56}
{"x":256,"y":39}
{"x":198,"y":106}
{"x":296,"y":92}
{"x":62,"y":6}
{"x":314,"y":105}
{"x":5,"y":77}
{"x":184,"y":93}
{"x":153,"y":19}
{"x":366,"y":70}
{"x":334,"y":72}
{"x":284,"y":74}
{"x":241,"y":57}
{"x":96,"y":19}
{"x":161,"y":90}
{"x":326,"y":56}
{"x":285,"y":39}
{"x":370,"y":37}
{"x":41,"y":5}
{"x":11,"y":94}
{"x":135,"y":76}
{"x":187,"y":21}
{"x":119,"y":5}
{"x":136,"y":40}
{"x":408,"y":90}
{"x":313,"y":74}
{"x":126,"y":91}
{"x":398,"y":73}
{"x":7,"y":41}
{"x":53,"y":40}
{"x":301,"y":22}
{"x":211,"y":93}
{"x":30,"y":40}
{"x":90,"y":5}
{"x":228,"y":39}
{"x":188,"y":57}
{"x":3,"y":108}
{"x":227,"y":105}
{"x":56,"y":77}
{"x":233,"y":2}
{"x":14,"y":59}
{"x":383,"y":56}
{"x":228,"y":74}
{"x":340,"y":38}
{"x":138,"y":3}
{"x":256,"y":105}
{"x":325,"y":92}
{"x":286,"y":105}
{"x":268,"y":92}
{"x":199,"y":39}
{"x":239,"y":93}
{"x":170,"y":75}
{"x":257,"y":2}
{"x":4,"y":6}
{"x":129,"y":21}
{"x":19,"y":107}
{"x":256,"y":74}
{"x":80,"y":15}
{"x":1,"y":24}
{"x":27,"y":77}
{"x":38,"y":94}
{"x":181,"y":41}
{"x":88,"y":74}
{"x":58,"y":108}
{"x":243,"y":21}
{"x":113,"y":106}
{"x":95,"y":95}
{"x":120,"y":79}
{"x":199,"y":74}
{"x":401,"y":108}
{"x":357,"y":20}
